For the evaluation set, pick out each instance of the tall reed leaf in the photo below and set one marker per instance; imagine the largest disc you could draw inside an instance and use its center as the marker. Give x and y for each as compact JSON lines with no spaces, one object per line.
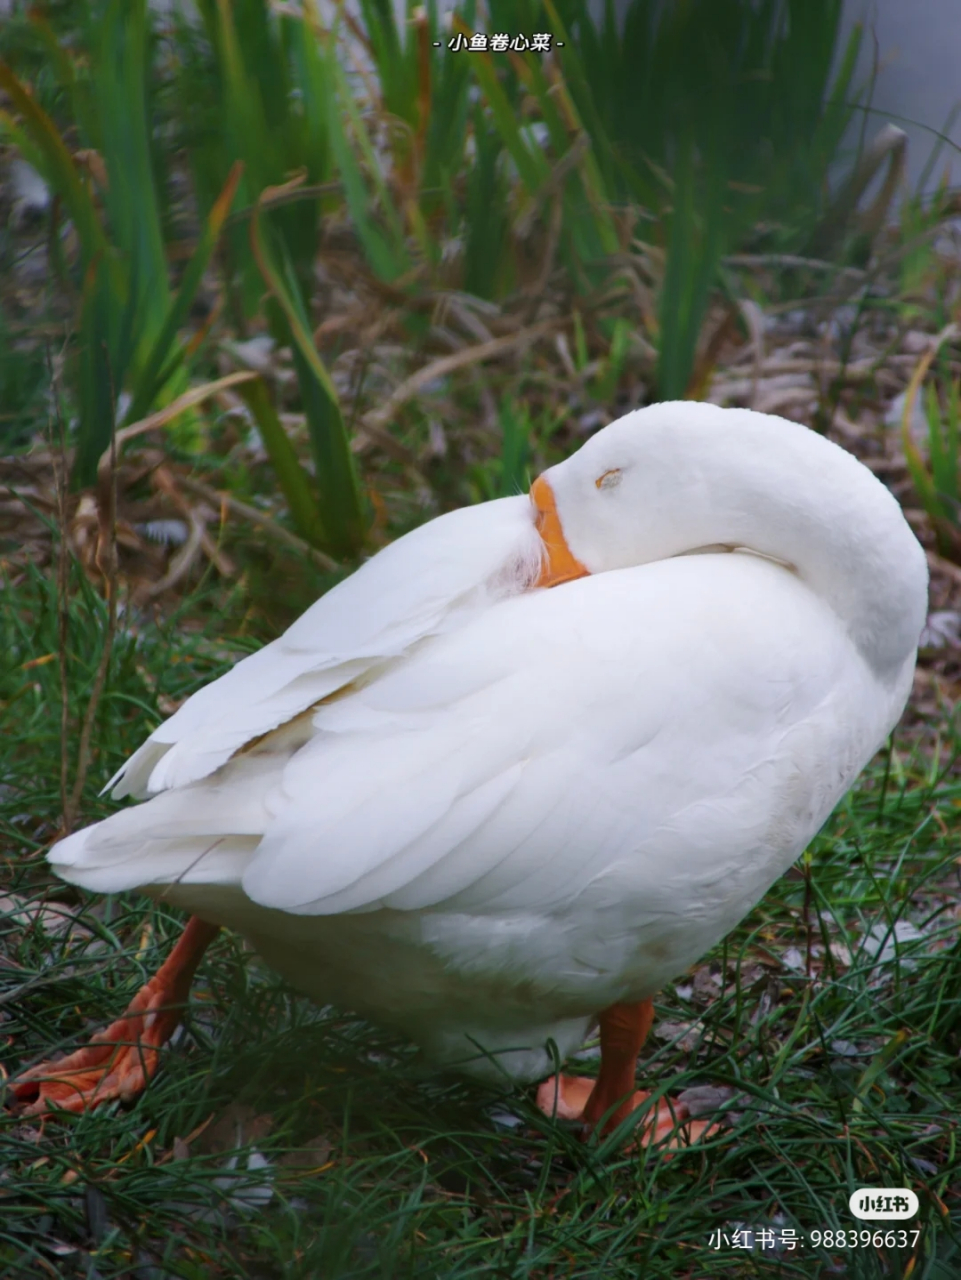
{"x":382,"y":238}
{"x":295,"y":482}
{"x":166,"y":353}
{"x":120,"y":90}
{"x":42,"y":145}
{"x":343,"y":518}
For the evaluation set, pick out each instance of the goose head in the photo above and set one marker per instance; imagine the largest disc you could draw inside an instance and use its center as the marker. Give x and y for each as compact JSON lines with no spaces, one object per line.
{"x":681,"y":477}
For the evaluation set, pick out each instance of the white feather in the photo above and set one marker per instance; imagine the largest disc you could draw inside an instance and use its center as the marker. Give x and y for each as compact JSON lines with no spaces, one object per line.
{"x":422,"y":584}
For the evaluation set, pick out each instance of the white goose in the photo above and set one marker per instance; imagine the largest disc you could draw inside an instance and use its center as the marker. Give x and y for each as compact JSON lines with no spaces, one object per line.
{"x":492,"y":815}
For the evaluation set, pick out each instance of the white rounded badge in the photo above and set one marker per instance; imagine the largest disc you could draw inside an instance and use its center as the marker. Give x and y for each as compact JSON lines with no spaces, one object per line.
{"x":871,"y":1203}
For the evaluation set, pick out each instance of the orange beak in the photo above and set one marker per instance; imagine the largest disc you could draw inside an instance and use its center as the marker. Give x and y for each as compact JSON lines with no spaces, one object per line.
{"x":561,"y":564}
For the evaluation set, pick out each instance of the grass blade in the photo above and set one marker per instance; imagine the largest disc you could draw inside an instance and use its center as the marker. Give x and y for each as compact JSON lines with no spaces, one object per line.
{"x":295,"y":483}
{"x":58,"y":167}
{"x":120,"y":73}
{"x":344,"y":521}
{"x":157,"y":363}
{"x":531,"y":165}
{"x":387,"y":254}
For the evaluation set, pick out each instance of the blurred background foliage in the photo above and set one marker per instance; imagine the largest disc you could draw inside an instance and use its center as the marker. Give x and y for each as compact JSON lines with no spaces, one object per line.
{"x":201,"y":160}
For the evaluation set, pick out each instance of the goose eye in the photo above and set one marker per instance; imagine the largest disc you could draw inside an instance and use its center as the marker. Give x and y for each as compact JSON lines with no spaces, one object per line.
{"x":609,"y":479}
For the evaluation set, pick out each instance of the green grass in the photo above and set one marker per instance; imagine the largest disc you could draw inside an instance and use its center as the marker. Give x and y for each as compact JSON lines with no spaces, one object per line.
{"x":842,"y":1077}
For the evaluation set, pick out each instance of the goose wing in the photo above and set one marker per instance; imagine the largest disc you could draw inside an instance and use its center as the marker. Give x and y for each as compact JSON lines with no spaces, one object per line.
{"x":424,"y":583}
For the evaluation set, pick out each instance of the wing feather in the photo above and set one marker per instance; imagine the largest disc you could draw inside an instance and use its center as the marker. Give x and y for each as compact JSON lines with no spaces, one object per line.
{"x":425,"y":583}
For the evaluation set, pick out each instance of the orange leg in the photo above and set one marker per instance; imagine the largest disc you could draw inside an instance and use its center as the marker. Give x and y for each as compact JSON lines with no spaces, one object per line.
{"x":624,"y":1028}
{"x":119,"y":1061}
